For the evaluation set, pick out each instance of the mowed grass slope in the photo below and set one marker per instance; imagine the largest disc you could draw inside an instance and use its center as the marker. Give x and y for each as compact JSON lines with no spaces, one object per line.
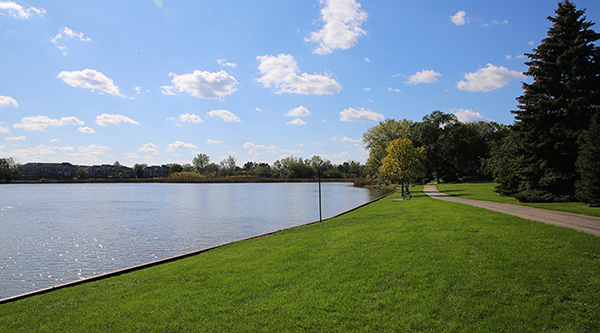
{"x":422,"y":264}
{"x":486,"y":191}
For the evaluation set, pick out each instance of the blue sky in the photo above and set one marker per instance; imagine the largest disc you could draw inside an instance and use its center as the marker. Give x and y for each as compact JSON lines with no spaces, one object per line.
{"x":156,"y":82}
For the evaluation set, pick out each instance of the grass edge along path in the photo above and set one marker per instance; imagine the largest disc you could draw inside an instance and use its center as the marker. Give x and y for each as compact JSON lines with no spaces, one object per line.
{"x":485,"y":191}
{"x":421,"y":264}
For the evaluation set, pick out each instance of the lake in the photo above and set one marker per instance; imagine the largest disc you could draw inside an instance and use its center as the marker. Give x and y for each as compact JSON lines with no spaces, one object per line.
{"x":55,"y":233}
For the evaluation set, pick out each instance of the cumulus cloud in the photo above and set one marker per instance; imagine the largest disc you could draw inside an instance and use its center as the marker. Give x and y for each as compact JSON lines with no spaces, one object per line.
{"x":149,"y":148}
{"x":202,"y":84}
{"x":224,"y":115}
{"x":187,"y":118}
{"x":64,"y":34}
{"x":282,"y":73}
{"x":39,"y":153}
{"x":489,"y":78}
{"x":424,"y":76}
{"x":351,"y":114}
{"x":86,"y":129}
{"x":300,"y":111}
{"x":40,"y":123}
{"x":467,"y":116}
{"x":212,"y":142}
{"x":16,"y":138}
{"x":459,"y":18}
{"x":9,"y":8}
{"x":114,"y":119}
{"x":394,"y":89}
{"x":8,"y":101}
{"x":296,"y":121}
{"x":90,"y":79}
{"x":180,"y":145}
{"x":4,"y":130}
{"x":259,"y":149}
{"x":342,"y":20}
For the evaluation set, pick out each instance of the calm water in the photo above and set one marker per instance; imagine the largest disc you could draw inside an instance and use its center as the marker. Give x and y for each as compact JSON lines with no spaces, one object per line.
{"x":56,"y":233}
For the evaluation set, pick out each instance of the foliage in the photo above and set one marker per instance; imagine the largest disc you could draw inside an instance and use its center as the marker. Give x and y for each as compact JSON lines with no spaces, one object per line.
{"x":403,"y":161}
{"x":384,"y":267}
{"x":377,"y":138}
{"x":138,"y":170}
{"x":174,"y":168}
{"x":227,"y":166}
{"x":82,"y":174}
{"x":8,"y":168}
{"x":557,"y":107}
{"x":200,"y":163}
{"x":588,"y":164}
{"x":186,"y":175}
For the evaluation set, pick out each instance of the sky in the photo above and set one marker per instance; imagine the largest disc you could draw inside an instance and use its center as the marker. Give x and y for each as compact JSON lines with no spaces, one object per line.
{"x":160,"y":81}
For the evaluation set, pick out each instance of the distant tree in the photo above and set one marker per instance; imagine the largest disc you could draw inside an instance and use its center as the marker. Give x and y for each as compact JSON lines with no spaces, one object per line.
{"x":403,"y":162}
{"x":200,"y":163}
{"x":557,"y":107}
{"x":82,"y":173}
{"x":174,"y":167}
{"x":188,"y":168}
{"x":249,"y":166}
{"x":588,"y":164}
{"x":433,"y":133}
{"x":503,"y":164}
{"x":263,"y":170}
{"x":292,"y":167}
{"x":377,"y":138}
{"x":227,"y":166}
{"x":8,"y":168}
{"x":138,"y":170}
{"x":116,"y":163}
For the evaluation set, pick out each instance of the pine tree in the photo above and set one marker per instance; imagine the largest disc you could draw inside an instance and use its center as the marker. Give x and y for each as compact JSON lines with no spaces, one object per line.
{"x":557,"y":107}
{"x":588,"y":165}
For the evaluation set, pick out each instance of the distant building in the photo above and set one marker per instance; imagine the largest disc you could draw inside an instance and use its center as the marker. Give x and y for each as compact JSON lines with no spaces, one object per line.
{"x":155,"y":171}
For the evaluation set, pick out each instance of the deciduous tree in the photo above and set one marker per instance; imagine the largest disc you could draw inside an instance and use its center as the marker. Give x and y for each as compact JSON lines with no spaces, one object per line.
{"x":403,"y":162}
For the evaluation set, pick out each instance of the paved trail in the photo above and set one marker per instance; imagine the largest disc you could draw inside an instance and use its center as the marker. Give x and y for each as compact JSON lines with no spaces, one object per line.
{"x":584,"y":223}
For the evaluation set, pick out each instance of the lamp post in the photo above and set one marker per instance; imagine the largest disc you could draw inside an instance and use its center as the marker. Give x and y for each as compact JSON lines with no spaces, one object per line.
{"x":320,"y":210}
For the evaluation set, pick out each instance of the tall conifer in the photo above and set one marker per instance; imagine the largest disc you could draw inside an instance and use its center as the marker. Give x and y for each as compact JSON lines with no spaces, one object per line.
{"x":557,"y":107}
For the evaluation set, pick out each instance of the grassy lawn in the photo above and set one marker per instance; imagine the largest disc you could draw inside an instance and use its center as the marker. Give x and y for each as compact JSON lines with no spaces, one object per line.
{"x":485,"y":191}
{"x":423,"y":264}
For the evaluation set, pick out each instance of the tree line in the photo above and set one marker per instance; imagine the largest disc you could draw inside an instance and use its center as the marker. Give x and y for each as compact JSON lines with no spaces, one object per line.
{"x":551,"y":153}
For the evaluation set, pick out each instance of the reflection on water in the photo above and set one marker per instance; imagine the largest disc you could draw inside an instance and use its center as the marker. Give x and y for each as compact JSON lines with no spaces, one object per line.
{"x":56,"y":233}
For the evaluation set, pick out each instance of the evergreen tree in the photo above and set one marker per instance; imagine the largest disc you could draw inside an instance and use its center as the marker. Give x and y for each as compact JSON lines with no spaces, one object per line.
{"x":557,"y":106}
{"x":588,"y":165}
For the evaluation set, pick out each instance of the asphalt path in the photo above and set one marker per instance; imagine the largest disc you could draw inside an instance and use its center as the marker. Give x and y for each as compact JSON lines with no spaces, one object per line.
{"x":588,"y":224}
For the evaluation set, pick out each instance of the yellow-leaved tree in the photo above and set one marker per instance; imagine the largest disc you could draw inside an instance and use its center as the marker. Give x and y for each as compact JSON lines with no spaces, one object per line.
{"x":403,"y":162}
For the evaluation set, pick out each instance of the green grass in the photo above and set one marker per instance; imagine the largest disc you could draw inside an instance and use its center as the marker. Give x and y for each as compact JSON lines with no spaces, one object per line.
{"x":421,"y":264}
{"x":486,"y":191}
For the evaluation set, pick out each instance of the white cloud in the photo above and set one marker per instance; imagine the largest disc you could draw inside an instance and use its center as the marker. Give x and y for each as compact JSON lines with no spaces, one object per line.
{"x":489,"y":78}
{"x":90,"y":79}
{"x":367,"y":60}
{"x":180,"y":145}
{"x":224,"y":62}
{"x":351,"y":114}
{"x":259,"y":149}
{"x":4,"y":130}
{"x":424,"y":76}
{"x":17,"y":138}
{"x":224,"y":115}
{"x":507,"y":56}
{"x":283,"y":73}
{"x":368,"y":89}
{"x":394,"y":89}
{"x":296,"y":121}
{"x":467,"y":116}
{"x":496,"y":22}
{"x":202,"y":84}
{"x":9,"y":8}
{"x":8,"y":101}
{"x":86,"y":129}
{"x":212,"y":142}
{"x":342,"y":25}
{"x":187,"y":118}
{"x":40,"y":123}
{"x":66,"y":33}
{"x":89,"y":153}
{"x":114,"y":119}
{"x":345,"y":139}
{"x":259,"y":109}
{"x":149,"y":148}
{"x":300,"y":111}
{"x":38,"y":153}
{"x":459,"y":18}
